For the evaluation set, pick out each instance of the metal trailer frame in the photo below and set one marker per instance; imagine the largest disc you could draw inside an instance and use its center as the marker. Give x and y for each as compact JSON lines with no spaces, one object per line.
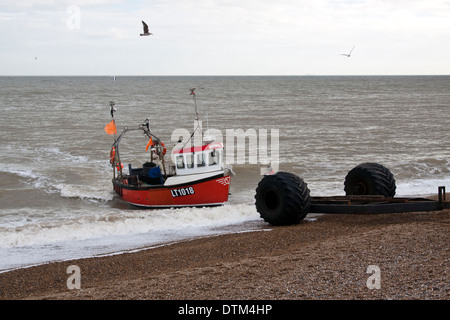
{"x":377,"y":204}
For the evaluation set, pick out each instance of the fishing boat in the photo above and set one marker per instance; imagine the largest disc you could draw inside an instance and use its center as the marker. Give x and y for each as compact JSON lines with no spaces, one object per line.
{"x":196,"y":177}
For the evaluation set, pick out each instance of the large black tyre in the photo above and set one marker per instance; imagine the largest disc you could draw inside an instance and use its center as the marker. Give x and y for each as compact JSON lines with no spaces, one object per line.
{"x":282,"y":199}
{"x":370,"y":179}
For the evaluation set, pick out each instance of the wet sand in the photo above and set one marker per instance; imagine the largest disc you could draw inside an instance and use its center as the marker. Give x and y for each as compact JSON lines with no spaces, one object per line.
{"x":323,"y":259}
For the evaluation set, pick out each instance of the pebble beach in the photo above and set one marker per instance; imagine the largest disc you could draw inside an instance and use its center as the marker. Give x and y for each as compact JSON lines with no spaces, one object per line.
{"x":396,"y":256}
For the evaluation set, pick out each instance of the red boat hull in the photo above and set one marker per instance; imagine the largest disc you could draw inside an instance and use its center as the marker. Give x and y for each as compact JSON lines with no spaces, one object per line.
{"x":212,"y":191}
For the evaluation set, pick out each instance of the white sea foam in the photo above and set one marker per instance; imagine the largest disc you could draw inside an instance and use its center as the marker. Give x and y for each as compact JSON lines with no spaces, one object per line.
{"x":422,"y":187}
{"x":19,"y":171}
{"x":123,"y":222}
{"x":120,"y":230}
{"x":61,"y":156}
{"x":101,"y":192}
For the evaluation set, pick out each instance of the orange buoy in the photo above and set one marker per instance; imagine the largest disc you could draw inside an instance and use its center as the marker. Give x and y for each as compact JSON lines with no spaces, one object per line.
{"x":112,"y":155}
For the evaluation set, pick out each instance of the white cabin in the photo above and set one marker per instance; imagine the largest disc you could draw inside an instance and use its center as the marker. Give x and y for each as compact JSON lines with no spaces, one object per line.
{"x":200,"y":159}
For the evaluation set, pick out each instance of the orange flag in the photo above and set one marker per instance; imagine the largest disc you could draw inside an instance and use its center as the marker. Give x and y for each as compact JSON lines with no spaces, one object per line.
{"x":150,"y":143}
{"x":110,"y":128}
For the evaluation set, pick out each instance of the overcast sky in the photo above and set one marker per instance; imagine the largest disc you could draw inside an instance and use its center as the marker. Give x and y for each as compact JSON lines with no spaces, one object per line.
{"x":215,"y":37}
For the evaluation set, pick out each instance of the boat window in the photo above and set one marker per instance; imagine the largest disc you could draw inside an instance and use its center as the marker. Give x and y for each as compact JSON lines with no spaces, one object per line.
{"x":190,"y":160}
{"x":180,"y":162}
{"x":219,"y":156}
{"x":214,"y":157}
{"x":200,"y":159}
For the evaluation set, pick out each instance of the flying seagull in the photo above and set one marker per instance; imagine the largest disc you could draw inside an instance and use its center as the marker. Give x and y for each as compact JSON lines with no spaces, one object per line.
{"x":348,"y":54}
{"x":146,"y":33}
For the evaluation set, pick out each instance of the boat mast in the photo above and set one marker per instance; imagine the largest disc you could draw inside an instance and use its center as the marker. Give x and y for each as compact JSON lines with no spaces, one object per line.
{"x":159,"y":149}
{"x":195,"y":102}
{"x":194,"y":97}
{"x":116,"y":147}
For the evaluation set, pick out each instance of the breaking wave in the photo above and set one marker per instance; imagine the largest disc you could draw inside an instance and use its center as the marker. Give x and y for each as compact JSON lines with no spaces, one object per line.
{"x":124,"y":222}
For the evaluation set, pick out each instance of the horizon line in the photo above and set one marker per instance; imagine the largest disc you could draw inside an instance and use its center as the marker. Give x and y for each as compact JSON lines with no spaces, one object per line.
{"x":223,"y":75}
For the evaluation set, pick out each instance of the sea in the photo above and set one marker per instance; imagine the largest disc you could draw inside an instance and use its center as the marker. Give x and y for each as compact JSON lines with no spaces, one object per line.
{"x":56,"y":197}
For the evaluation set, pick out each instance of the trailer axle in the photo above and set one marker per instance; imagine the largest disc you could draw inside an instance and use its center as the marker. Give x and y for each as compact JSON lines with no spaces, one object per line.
{"x":377,"y":204}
